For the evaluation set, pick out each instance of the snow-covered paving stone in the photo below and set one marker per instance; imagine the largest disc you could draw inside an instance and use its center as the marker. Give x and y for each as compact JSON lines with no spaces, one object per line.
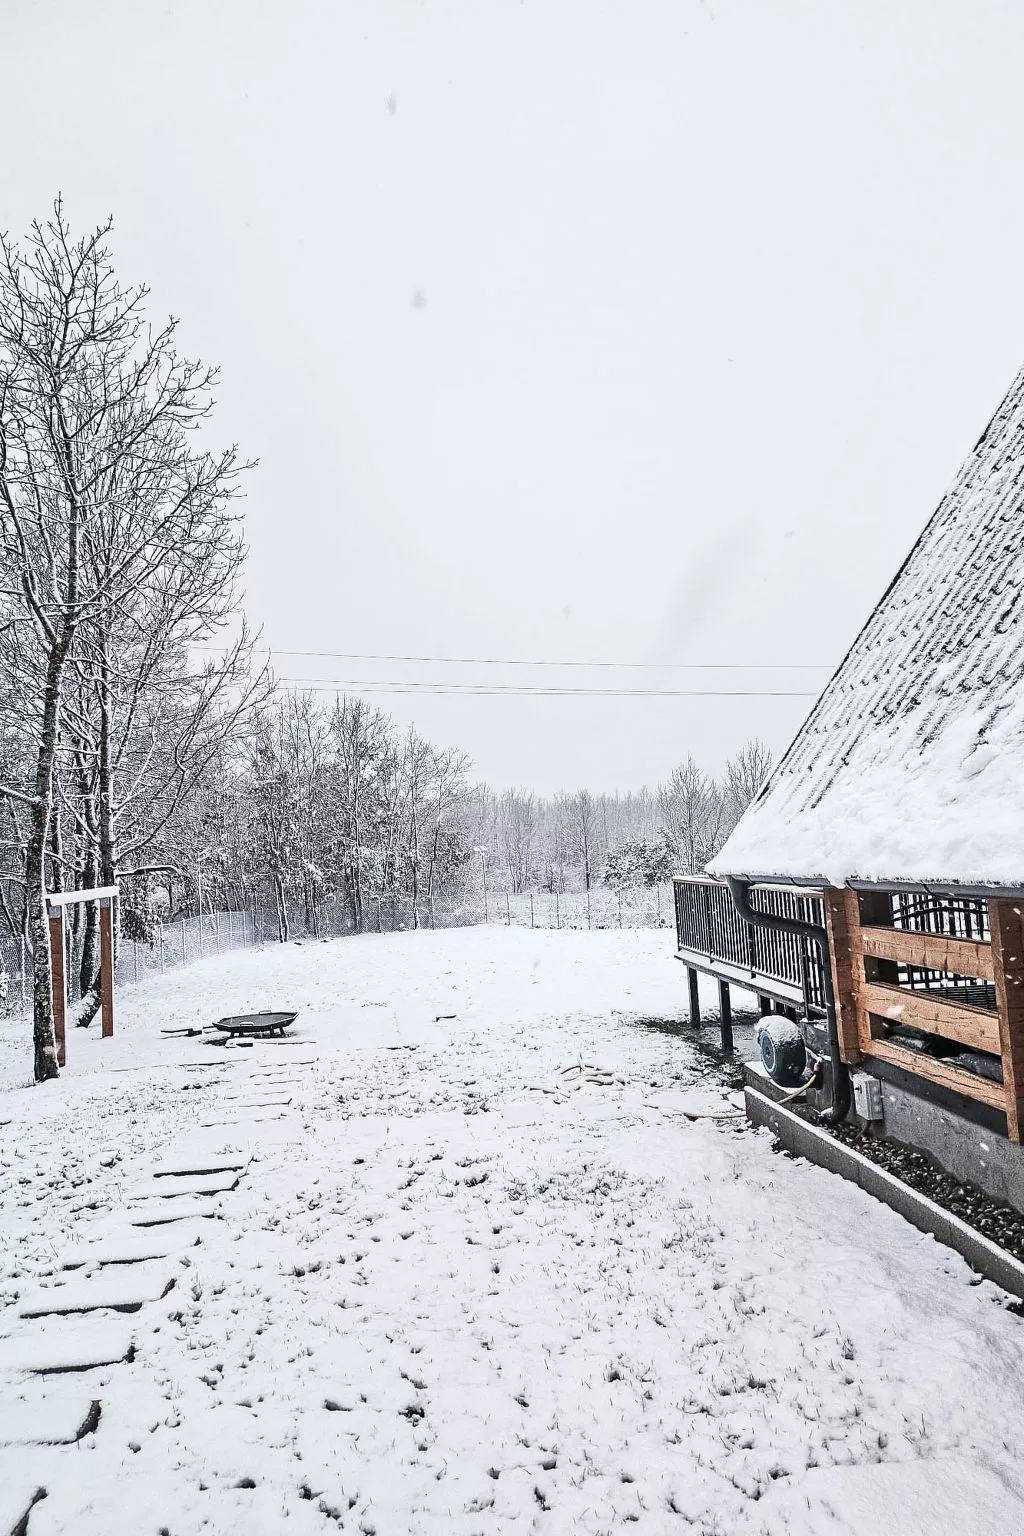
{"x":133,"y":1245}
{"x":114,"y":1292}
{"x":159,"y":1208}
{"x":444,"y":1301}
{"x":19,"y":1489}
{"x":30,"y":1416}
{"x":63,"y":1347}
{"x":196,"y":1163}
{"x":188,"y":1184}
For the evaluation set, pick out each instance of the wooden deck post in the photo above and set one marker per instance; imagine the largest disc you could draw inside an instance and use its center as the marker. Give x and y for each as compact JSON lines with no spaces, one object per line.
{"x":107,"y":968}
{"x":842,"y":919}
{"x":1007,"y":925}
{"x":725,"y":1011}
{"x":58,"y":986}
{"x":691,"y":977}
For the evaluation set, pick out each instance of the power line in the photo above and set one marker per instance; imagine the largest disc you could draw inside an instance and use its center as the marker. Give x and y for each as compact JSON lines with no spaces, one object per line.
{"x":495,"y":661}
{"x":526,"y":690}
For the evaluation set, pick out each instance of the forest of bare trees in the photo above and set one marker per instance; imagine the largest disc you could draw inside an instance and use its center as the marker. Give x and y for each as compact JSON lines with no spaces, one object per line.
{"x":142,"y":744}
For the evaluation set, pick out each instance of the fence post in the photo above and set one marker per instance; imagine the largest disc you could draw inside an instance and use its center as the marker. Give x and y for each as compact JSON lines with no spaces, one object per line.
{"x":588,"y":906}
{"x":135,"y":957}
{"x":558,"y":915}
{"x":161,"y":948}
{"x":619,"y":894}
{"x":508,"y":912}
{"x":184,"y":949}
{"x":23,"y":970}
{"x":217,"y":922}
{"x":531,"y":909}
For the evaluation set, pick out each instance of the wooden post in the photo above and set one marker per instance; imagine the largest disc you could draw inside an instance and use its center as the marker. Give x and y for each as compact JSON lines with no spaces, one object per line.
{"x":725,"y":1007}
{"x":59,"y":985}
{"x":691,"y":977}
{"x":1007,"y":926}
{"x":531,"y":909}
{"x":107,"y":968}
{"x":764,"y":1004}
{"x":842,"y":919}
{"x":184,"y":952}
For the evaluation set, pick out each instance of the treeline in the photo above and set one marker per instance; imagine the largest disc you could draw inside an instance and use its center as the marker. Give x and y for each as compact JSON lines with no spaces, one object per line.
{"x":141,"y":744}
{"x":330,"y":804}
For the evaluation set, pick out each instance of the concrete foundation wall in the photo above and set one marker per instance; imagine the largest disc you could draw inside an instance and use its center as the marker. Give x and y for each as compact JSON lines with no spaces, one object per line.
{"x":967,"y":1151}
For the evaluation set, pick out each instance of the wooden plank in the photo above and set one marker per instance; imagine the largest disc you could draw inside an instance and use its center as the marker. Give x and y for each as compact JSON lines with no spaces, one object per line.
{"x":843,"y":923}
{"x":1007,"y":926}
{"x":58,"y":986}
{"x":965,"y":1083}
{"x":932,"y":951}
{"x":107,"y":970}
{"x":104,"y":893}
{"x":975,"y":1027}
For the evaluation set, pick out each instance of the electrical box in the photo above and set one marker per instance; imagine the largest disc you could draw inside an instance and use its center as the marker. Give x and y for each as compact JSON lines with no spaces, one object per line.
{"x":867,"y":1095}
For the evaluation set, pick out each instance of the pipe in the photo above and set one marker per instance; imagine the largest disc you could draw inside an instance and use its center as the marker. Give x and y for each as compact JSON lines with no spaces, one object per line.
{"x":739,"y":890}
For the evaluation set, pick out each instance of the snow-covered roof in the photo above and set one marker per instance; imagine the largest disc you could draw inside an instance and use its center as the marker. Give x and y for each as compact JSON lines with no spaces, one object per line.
{"x":910,"y":767}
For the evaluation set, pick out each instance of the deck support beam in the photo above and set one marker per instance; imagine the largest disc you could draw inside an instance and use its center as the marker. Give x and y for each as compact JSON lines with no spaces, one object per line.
{"x":725,"y":1014}
{"x":692,"y":983}
{"x":1007,"y":927}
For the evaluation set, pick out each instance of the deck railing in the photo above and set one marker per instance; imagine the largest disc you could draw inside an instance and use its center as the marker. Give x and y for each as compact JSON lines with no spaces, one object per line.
{"x":707,"y":924}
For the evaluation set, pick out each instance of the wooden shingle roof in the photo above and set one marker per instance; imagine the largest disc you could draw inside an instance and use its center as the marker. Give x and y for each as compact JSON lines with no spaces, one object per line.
{"x":910,"y":767}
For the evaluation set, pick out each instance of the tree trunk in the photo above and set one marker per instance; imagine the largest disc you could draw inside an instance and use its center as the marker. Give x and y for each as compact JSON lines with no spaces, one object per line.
{"x":282,"y":909}
{"x":105,"y":857}
{"x":45,"y":1046}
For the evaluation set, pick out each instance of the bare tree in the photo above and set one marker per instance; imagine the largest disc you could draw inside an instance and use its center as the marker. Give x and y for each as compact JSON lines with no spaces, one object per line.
{"x":745,"y":777}
{"x":91,"y":401}
{"x":582,"y":814}
{"x":691,"y":806}
{"x":360,"y":743}
{"x":517,"y":822}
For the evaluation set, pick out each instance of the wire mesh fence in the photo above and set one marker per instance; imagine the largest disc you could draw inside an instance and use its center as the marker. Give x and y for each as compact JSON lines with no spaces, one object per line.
{"x":175,"y":943}
{"x":597,"y":908}
{"x":182,"y":941}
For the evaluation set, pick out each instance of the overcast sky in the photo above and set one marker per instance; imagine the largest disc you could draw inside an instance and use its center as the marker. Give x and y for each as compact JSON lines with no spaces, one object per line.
{"x":562,"y":330}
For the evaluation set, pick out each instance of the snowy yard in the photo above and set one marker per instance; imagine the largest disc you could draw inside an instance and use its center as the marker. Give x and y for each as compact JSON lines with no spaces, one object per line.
{"x":439,"y":1300}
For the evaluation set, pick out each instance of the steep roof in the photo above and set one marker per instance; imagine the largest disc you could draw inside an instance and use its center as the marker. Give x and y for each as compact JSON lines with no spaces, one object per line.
{"x":911,"y":764}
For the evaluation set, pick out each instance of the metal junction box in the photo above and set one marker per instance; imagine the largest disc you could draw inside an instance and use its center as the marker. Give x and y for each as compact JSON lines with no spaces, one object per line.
{"x":867,"y":1095}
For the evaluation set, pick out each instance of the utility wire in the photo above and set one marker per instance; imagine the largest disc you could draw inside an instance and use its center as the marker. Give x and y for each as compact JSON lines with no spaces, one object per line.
{"x":526,"y":690}
{"x":495,"y":661}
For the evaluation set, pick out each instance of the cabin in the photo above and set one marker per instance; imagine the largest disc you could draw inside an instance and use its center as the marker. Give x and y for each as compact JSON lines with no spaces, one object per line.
{"x":874,"y":890}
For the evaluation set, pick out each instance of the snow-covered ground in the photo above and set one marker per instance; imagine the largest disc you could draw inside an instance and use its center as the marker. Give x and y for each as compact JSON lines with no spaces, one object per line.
{"x":442,"y":1300}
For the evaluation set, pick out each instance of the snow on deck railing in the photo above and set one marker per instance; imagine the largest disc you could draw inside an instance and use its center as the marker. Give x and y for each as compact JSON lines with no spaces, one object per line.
{"x":708,"y":924}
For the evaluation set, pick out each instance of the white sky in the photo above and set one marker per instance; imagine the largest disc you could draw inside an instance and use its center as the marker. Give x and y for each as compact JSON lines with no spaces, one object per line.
{"x":713,"y":298}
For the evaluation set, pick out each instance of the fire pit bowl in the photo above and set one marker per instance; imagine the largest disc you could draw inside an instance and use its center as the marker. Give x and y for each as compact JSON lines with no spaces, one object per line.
{"x":256,"y":1024}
